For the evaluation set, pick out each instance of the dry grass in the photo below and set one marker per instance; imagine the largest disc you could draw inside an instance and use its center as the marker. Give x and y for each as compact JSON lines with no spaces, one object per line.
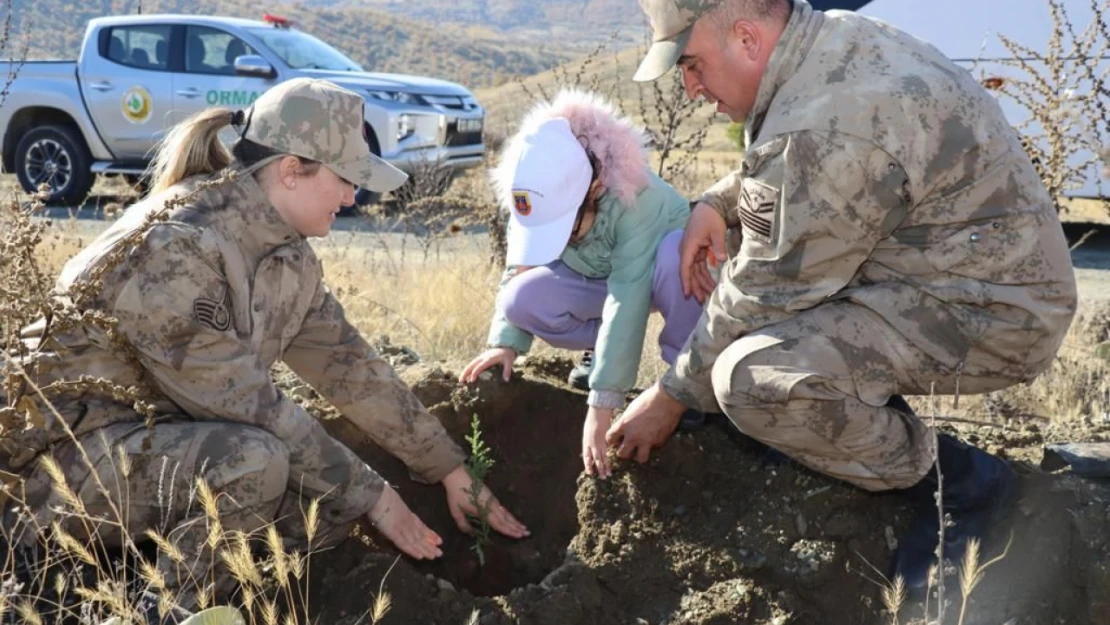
{"x":440,"y":307}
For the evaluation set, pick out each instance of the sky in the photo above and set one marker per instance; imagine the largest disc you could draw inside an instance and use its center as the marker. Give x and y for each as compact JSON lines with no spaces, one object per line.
{"x":970,"y":28}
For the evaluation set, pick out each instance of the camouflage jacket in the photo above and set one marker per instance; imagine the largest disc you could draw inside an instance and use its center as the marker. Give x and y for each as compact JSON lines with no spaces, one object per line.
{"x":877,"y":171}
{"x":208,"y":300}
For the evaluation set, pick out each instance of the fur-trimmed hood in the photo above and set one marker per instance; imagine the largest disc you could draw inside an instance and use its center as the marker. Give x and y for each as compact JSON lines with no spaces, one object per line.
{"x":617,"y":143}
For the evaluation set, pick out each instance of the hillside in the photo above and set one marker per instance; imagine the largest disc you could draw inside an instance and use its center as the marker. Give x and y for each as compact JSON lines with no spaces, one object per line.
{"x":609,"y":73}
{"x":567,"y":21}
{"x":472,"y":55}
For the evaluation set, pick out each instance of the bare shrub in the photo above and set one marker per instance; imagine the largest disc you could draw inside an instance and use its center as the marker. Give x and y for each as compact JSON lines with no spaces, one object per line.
{"x":1067,"y":97}
{"x":428,"y":178}
{"x":437,"y":217}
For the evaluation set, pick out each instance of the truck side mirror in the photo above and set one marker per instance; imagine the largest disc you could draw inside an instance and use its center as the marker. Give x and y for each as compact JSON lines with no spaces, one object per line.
{"x":254,"y":65}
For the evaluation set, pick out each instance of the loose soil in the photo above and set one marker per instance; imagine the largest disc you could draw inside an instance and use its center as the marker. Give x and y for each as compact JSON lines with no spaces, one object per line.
{"x":710,"y":531}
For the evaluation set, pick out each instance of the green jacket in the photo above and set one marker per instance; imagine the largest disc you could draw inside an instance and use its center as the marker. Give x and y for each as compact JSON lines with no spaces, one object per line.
{"x":620,"y":247}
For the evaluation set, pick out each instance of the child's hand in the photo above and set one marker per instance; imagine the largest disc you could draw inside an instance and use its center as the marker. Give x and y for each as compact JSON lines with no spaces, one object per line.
{"x":497,"y":356}
{"x":595,"y":455}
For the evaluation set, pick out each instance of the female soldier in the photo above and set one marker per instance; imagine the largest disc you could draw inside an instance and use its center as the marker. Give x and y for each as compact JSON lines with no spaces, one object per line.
{"x":207,"y":299}
{"x":592,"y":248}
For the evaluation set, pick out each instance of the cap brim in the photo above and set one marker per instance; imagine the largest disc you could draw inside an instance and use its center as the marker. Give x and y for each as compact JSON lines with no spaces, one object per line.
{"x":661,"y":57}
{"x":371,"y":173}
{"x":538,"y":245}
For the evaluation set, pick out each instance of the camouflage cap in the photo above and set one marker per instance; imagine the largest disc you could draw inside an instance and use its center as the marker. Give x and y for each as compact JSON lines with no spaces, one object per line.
{"x":319,"y":120}
{"x":671,"y":22}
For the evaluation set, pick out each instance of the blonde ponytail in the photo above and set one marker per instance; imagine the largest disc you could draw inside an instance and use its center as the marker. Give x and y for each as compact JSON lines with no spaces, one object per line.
{"x":191,"y":148}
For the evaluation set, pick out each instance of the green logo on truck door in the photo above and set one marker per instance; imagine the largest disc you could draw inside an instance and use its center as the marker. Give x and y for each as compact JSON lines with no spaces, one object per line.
{"x":220,"y":97}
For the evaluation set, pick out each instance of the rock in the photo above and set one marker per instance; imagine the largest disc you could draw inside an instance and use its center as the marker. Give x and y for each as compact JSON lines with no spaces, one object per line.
{"x":814,"y":556}
{"x":1085,"y":459}
{"x":800,"y":523}
{"x":816,"y":491}
{"x":396,"y":355}
{"x":750,"y":560}
{"x":445,"y":585}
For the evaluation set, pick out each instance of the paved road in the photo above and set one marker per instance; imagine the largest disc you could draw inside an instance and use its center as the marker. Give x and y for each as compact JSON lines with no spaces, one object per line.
{"x":1091,"y":259}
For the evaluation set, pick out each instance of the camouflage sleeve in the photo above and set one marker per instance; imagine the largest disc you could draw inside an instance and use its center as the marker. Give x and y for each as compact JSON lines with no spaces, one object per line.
{"x":194,"y":355}
{"x":722,"y":197}
{"x":813,"y":205}
{"x":332,"y":356}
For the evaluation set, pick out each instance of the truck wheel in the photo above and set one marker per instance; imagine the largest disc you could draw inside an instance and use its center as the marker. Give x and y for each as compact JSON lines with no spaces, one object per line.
{"x":56,"y":155}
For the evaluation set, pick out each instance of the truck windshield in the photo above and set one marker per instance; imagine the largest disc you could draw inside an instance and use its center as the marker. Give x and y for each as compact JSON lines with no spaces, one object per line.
{"x":303,"y":51}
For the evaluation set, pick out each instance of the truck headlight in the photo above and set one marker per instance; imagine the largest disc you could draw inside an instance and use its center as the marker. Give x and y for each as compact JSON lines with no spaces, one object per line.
{"x":405,"y":127}
{"x":400,"y":97}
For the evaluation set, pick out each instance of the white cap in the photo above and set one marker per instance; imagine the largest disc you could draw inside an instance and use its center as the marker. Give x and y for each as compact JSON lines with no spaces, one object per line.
{"x":550,"y":180}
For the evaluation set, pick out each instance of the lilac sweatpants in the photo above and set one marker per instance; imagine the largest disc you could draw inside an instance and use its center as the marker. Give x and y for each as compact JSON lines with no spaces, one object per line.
{"x":563,"y":307}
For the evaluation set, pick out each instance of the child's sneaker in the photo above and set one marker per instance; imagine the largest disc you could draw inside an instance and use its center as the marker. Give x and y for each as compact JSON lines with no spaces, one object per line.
{"x":579,"y":376}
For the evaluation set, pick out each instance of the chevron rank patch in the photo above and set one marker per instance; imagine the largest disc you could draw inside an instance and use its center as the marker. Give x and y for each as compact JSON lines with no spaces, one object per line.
{"x":757,"y":208}
{"x":212,"y":313}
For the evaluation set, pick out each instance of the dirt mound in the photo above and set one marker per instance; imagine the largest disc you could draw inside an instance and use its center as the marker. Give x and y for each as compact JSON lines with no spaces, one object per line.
{"x":710,"y":531}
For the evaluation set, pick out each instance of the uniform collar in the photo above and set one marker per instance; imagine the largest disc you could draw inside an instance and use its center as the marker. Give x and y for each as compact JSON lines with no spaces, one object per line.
{"x":789,"y":54}
{"x":253,"y":220}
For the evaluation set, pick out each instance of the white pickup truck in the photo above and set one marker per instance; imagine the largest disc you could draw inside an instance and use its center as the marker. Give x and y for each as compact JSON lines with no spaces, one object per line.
{"x":66,"y":121}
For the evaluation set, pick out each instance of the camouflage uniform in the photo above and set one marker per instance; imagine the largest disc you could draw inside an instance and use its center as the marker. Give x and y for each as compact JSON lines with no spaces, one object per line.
{"x":207,"y":301}
{"x":896,"y":239}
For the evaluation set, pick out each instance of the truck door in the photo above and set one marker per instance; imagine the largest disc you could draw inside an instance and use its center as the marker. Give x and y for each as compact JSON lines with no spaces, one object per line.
{"x":208,"y":75}
{"x":126,"y":80}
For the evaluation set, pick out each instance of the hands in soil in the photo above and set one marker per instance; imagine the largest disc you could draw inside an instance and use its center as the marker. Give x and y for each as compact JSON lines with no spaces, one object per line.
{"x":458,"y":484}
{"x":648,"y":422}
{"x":595,"y":451}
{"x":403,"y":528}
{"x":497,"y":356}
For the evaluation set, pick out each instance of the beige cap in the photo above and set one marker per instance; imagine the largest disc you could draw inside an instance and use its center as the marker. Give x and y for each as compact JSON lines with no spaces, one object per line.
{"x":319,"y":120}
{"x":671,"y":23}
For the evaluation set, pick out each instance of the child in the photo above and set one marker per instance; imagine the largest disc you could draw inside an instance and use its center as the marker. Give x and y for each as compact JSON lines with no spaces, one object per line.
{"x":592,"y":249}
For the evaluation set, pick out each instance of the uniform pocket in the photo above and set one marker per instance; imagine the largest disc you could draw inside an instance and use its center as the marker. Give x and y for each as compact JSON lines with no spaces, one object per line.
{"x":958,"y":247}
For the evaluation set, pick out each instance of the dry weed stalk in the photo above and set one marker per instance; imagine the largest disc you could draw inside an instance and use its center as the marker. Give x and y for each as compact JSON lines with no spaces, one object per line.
{"x":971,"y":572}
{"x":578,"y":77}
{"x":16,"y":57}
{"x":1066,"y":95}
{"x":677,"y":134}
{"x":434,"y":218}
{"x":676,"y":130}
{"x":894,"y":596}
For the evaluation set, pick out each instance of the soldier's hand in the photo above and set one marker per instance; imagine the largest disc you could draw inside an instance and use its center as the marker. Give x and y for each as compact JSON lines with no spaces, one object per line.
{"x":458,"y":486}
{"x":702,"y":240}
{"x":648,"y":422}
{"x":403,"y":528}
{"x":503,"y":356}
{"x":595,"y":451}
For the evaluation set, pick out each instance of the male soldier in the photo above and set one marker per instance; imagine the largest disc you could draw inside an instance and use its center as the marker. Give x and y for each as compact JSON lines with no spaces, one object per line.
{"x":895,"y":239}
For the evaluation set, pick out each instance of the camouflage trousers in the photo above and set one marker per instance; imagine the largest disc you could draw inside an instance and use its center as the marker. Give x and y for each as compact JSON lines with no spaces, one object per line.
{"x":815,"y":388}
{"x":245,"y":467}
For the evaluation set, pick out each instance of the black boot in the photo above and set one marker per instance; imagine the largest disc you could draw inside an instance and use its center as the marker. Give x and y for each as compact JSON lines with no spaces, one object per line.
{"x":978,"y":488}
{"x":580,"y":375}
